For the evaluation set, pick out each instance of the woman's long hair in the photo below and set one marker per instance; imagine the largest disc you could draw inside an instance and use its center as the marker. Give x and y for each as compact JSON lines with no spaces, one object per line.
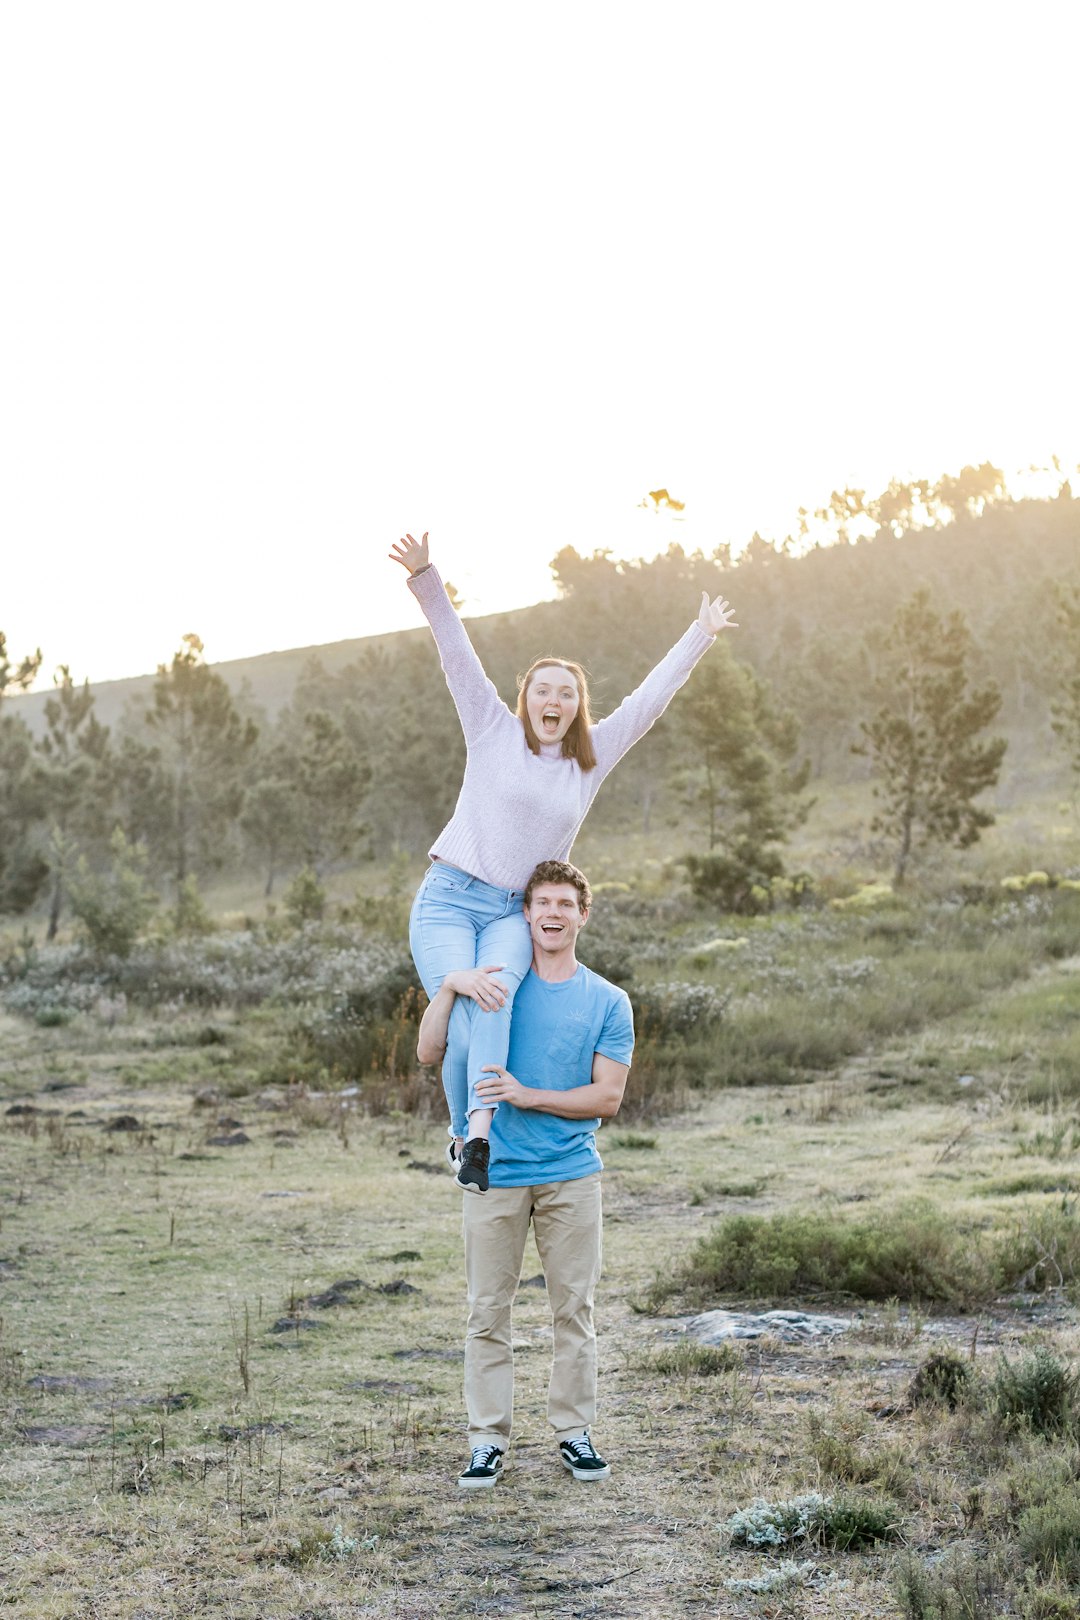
{"x":577,"y":744}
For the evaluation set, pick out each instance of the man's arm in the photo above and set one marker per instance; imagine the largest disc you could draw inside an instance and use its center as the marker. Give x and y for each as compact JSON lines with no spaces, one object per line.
{"x":488,"y":992}
{"x":600,"y":1099}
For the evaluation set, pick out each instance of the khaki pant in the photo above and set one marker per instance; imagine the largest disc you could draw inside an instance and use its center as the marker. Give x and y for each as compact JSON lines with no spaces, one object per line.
{"x":567,"y":1226}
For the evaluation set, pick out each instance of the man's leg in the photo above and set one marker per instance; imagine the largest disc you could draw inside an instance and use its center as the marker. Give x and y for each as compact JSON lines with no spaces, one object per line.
{"x":567,"y":1224}
{"x":495,"y":1230}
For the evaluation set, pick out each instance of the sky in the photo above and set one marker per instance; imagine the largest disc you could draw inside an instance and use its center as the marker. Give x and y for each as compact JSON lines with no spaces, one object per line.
{"x":281,"y":283}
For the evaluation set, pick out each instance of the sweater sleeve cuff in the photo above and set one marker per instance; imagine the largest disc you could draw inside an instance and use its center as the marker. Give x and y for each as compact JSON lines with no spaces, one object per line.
{"x":427,"y":585}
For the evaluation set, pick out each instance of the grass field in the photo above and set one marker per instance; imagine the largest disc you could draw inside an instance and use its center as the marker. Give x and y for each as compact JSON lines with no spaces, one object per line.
{"x":231,"y":1310}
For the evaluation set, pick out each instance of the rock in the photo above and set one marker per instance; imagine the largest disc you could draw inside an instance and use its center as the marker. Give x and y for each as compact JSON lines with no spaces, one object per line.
{"x":236,"y":1139}
{"x":428,"y":1169}
{"x":124,"y":1122}
{"x":294,"y":1324}
{"x":539,"y":1281}
{"x":400,"y":1286}
{"x":794,"y":1327}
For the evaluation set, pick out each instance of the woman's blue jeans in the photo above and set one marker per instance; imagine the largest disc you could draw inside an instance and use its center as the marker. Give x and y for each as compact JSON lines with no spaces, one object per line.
{"x":459,"y":922}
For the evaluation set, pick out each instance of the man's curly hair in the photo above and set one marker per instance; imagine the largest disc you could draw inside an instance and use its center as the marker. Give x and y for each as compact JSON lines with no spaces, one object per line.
{"x":560,"y":872}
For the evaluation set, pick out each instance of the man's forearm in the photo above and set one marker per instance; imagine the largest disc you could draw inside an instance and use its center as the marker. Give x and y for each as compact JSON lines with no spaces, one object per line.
{"x":580,"y":1102}
{"x":431,"y":1041}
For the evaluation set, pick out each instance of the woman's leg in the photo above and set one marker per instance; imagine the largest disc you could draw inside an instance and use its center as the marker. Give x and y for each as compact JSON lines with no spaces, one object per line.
{"x":506,"y":940}
{"x":442,"y":937}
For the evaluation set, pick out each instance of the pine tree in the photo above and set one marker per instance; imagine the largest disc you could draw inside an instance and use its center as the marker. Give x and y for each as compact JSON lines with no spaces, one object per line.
{"x":23,"y":868}
{"x":925,"y":741}
{"x":742,"y":776}
{"x":73,"y":765}
{"x":205,"y":747}
{"x":1065,"y":709}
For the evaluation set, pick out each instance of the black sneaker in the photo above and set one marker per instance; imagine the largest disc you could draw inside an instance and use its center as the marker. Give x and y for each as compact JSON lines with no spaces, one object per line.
{"x":451,"y":1155}
{"x":485,"y":1466}
{"x":582,"y":1458}
{"x":473,"y":1174}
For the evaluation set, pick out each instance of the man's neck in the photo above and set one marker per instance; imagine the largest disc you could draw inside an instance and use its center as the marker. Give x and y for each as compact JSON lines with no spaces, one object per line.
{"x":555,"y":966}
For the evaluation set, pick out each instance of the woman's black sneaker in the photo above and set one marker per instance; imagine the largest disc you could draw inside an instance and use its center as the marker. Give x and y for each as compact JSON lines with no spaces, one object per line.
{"x":473,"y":1173}
{"x":583,"y":1459}
{"x":485,"y":1466}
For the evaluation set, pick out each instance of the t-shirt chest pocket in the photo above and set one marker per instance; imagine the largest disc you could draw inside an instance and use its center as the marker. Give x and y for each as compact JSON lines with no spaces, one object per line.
{"x":569,"y":1041}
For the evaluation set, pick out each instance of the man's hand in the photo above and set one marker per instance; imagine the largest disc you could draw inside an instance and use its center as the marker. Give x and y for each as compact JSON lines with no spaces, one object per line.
{"x":499,"y":1086}
{"x":478,"y":985}
{"x":411,"y":554}
{"x":715,"y":616}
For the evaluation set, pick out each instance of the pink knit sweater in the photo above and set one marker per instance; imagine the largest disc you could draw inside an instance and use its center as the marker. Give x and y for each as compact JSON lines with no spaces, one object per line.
{"x":517,"y":808}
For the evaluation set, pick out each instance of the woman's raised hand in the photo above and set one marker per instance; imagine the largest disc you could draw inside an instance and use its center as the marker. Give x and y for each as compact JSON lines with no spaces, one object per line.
{"x":411,"y":554}
{"x":715,"y":616}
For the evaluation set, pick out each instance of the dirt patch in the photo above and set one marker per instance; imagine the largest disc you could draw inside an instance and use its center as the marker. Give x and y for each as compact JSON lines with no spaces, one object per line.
{"x":65,"y":1434}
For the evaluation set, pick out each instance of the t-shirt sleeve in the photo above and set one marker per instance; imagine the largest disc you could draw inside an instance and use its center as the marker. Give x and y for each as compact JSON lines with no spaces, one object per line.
{"x":616,"y":1038}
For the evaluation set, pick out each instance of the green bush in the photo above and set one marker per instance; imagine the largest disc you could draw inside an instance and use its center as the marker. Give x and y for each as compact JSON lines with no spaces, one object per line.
{"x":910,"y":1252}
{"x":842,"y":1522}
{"x":943,"y":1379}
{"x":190,"y":916}
{"x":1048,"y":1536}
{"x":305,"y":898}
{"x":53,"y":1017}
{"x":689,"y":1359}
{"x":1038,"y":1391}
{"x":112,"y":908}
{"x":368,"y":1032}
{"x":1044,"y":1252}
{"x":964,"y":1587}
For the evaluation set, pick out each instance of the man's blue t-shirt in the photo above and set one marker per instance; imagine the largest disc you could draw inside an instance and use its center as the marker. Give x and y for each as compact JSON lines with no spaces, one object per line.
{"x":555,"y":1031}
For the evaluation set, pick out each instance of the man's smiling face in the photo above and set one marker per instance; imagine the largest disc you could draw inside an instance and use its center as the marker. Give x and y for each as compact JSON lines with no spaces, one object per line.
{"x":555,"y":916}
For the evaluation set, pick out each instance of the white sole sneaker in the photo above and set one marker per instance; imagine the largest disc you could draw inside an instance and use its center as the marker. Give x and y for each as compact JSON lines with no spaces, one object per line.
{"x":484,"y":1482}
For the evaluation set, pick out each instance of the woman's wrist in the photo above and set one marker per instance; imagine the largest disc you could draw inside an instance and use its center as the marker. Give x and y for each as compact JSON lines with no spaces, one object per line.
{"x":421,"y":570}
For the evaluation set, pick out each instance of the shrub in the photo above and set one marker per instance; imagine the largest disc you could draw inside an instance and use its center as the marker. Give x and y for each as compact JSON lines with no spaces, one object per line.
{"x":1039,"y":1391}
{"x":305,"y":898}
{"x":112,"y":908}
{"x":909,"y":1252}
{"x":1048,"y":1535}
{"x":842,"y":1522}
{"x":369,"y":1032}
{"x":740,"y":882}
{"x":1045,"y":1251}
{"x":943,"y":1379}
{"x":190,"y":917}
{"x":964,"y":1587}
{"x":846,"y":1455}
{"x":53,"y":1017}
{"x":673,"y":1010}
{"x":689,"y":1359}
{"x":1043,"y":1599}
{"x":775,"y":1524}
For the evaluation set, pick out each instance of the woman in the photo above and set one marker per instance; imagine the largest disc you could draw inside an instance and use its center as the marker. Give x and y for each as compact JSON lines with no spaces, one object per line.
{"x":530,"y":779}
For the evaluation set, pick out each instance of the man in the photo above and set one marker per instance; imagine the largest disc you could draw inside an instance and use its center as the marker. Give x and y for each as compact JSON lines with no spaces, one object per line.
{"x":571,"y":1041}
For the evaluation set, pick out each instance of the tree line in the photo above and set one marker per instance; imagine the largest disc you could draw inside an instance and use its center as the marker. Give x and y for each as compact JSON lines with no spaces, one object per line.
{"x":854,"y":657}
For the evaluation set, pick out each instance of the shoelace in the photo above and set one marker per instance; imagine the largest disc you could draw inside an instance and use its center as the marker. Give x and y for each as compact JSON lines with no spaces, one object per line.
{"x":583,"y":1448}
{"x":484,"y":1456}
